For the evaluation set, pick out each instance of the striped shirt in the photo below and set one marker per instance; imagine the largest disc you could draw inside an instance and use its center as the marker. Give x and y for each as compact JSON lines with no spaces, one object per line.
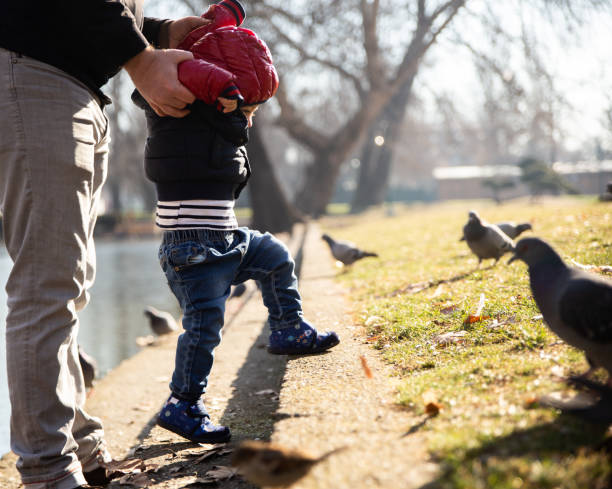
{"x":196,"y":214}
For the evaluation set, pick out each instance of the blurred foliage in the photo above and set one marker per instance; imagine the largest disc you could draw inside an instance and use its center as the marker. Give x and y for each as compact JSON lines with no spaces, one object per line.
{"x":540,"y":178}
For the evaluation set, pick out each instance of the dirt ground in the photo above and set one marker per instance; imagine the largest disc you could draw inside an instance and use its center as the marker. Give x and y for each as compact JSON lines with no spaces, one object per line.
{"x":316,"y":403}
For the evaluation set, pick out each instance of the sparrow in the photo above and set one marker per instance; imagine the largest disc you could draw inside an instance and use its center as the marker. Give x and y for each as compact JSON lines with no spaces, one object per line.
{"x":271,"y":464}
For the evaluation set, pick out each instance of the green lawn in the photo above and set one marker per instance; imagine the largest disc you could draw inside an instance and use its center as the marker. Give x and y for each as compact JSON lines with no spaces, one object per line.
{"x":486,"y":375}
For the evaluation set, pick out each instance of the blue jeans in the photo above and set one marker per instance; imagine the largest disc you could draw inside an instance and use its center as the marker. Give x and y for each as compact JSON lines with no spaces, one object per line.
{"x":200,"y":266}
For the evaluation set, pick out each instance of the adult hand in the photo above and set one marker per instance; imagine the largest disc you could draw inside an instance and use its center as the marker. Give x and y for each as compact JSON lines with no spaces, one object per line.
{"x":155,"y":75}
{"x":178,"y":29}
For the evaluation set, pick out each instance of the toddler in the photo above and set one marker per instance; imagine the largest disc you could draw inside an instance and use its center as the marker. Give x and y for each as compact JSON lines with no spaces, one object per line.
{"x":199,"y":166}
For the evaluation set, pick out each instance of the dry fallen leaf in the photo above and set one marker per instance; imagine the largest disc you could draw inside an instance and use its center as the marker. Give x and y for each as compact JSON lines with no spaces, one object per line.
{"x":129,"y":466}
{"x":557,"y":371}
{"x":412,"y":288}
{"x":496,"y":323}
{"x":145,"y":340}
{"x":449,"y":309}
{"x":568,"y":400}
{"x":481,"y":303}
{"x":475,"y":319}
{"x":373,"y":321}
{"x":366,"y":368}
{"x":217,"y":473}
{"x":451,"y":337}
{"x":135,"y":480}
{"x":220,"y":450}
{"x":477,"y":316}
{"x":594,"y":268}
{"x":206,"y":448}
{"x":266,"y":392}
{"x":372,"y":338}
{"x":439,"y":290}
{"x":531,"y":402}
{"x":433,"y":408}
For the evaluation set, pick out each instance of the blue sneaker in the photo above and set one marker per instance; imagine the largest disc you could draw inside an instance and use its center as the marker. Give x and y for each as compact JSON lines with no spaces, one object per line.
{"x":301,"y":339}
{"x":190,"y":420}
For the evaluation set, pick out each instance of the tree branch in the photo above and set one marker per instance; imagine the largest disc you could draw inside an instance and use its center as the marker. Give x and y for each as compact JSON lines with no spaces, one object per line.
{"x":324,"y":62}
{"x":263,"y":10}
{"x":454,"y":6}
{"x":370,"y":43}
{"x":418,"y":45}
{"x":293,"y":122}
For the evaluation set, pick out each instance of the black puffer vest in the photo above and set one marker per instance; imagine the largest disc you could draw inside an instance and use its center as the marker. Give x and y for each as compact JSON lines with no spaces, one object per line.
{"x":199,"y":156}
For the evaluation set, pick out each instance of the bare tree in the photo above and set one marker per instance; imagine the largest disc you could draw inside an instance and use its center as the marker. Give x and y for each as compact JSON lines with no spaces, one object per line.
{"x":343,"y":63}
{"x":127,"y":183}
{"x":378,"y":150}
{"x":344,"y":41}
{"x":271,"y":210}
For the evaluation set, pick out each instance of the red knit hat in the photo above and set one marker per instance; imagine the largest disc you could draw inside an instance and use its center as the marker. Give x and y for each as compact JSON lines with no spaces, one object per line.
{"x":247,"y":57}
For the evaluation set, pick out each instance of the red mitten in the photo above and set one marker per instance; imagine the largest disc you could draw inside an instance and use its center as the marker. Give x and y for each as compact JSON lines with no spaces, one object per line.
{"x":207,"y":81}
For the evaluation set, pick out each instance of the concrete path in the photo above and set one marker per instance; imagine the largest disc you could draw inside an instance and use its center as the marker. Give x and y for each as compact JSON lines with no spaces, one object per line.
{"x":316,"y":403}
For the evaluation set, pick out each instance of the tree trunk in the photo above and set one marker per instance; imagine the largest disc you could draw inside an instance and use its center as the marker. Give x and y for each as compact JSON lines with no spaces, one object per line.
{"x":375,"y":168}
{"x":319,"y":185}
{"x":271,"y":210}
{"x":369,"y":157}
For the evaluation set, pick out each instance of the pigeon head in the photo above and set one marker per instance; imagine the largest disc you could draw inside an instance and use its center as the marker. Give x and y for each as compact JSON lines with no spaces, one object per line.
{"x":473,"y":215}
{"x":534,"y":251}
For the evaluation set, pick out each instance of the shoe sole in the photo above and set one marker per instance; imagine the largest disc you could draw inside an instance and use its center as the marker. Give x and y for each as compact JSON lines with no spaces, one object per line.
{"x":178,"y":431}
{"x":298,"y":351}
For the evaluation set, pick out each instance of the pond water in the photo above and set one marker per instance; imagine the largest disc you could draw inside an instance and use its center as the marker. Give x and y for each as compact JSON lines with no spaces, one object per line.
{"x":128,"y":279}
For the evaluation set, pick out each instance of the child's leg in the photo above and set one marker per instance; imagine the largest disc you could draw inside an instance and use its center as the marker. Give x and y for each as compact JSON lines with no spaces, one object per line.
{"x":268,"y":261}
{"x":199,"y":266}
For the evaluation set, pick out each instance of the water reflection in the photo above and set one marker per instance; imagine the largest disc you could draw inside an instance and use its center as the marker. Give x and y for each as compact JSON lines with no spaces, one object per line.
{"x":128,"y":279}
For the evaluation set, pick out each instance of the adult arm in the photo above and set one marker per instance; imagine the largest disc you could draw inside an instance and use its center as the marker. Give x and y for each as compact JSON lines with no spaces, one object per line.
{"x":112,"y":33}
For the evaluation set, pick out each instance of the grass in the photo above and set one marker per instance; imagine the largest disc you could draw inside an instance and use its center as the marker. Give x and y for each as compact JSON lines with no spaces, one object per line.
{"x":486,"y":378}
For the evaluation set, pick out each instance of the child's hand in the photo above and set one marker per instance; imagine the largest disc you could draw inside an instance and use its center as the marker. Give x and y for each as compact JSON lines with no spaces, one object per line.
{"x":229,"y":105}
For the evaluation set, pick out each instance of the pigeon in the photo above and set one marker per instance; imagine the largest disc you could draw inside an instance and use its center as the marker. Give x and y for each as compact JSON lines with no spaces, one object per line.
{"x":485,"y":240}
{"x":346,"y":252}
{"x":512,"y":229}
{"x":89,"y":367}
{"x":270,"y":464}
{"x":575,"y":304}
{"x":161,"y":322}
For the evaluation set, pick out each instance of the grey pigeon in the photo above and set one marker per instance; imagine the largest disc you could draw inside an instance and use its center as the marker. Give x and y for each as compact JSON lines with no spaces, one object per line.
{"x":345,"y":251}
{"x":575,"y":304}
{"x":89,"y":366}
{"x":484,"y":239}
{"x":161,"y":322}
{"x":513,"y":230}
